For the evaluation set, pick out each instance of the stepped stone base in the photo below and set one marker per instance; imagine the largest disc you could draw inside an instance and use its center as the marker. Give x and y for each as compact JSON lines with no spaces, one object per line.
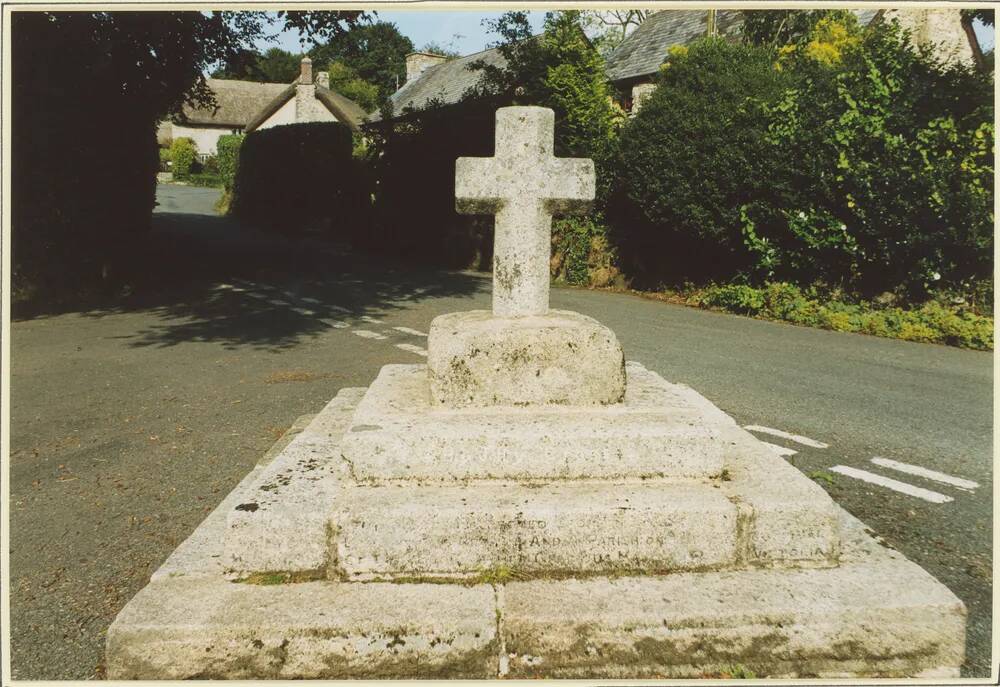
{"x":561,"y":357}
{"x":257,"y":598}
{"x":876,"y":615}
{"x":305,"y":511}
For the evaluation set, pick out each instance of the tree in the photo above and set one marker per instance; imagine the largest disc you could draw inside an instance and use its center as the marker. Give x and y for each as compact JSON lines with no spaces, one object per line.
{"x":850,"y":158}
{"x":376,"y":52}
{"x":85,"y":181}
{"x":346,"y":81}
{"x":775,"y":28}
{"x":608,"y":28}
{"x":274,"y":66}
{"x":560,"y":69}
{"x":438,"y":49}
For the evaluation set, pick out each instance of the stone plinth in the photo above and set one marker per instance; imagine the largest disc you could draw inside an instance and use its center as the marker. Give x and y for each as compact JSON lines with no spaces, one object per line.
{"x":398,"y":433}
{"x":562,"y":358}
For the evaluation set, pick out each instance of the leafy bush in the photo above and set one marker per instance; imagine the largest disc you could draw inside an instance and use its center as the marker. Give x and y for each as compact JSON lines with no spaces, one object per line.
{"x":847,"y":157}
{"x":581,"y":254}
{"x":301,"y":176}
{"x":183,"y":155}
{"x":210,"y":165}
{"x":932,"y":322}
{"x":204,"y":179}
{"x":228,"y":158}
{"x":689,"y":159}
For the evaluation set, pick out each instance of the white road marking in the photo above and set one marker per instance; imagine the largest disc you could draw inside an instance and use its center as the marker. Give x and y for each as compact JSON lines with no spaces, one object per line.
{"x":934,"y":475}
{"x":407,"y":330}
{"x":311,"y":301}
{"x":895,"y":485}
{"x":369,"y":318}
{"x":412,"y":349}
{"x":780,"y":450}
{"x":336,"y":324}
{"x":338,"y":308}
{"x":365,"y":334}
{"x":797,"y":438}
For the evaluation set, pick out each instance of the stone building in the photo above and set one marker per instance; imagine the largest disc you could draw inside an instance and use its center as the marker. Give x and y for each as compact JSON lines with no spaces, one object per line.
{"x":245,"y":106}
{"x":633,"y":66}
{"x":437,"y":81}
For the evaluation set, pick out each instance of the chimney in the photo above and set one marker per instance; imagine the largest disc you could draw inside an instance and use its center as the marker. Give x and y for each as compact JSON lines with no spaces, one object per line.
{"x":323,"y":79}
{"x":418,"y":62}
{"x":306,"y":77}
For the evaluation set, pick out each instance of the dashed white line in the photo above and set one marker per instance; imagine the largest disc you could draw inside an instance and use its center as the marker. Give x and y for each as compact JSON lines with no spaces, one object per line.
{"x":780,"y":450}
{"x":933,"y":475}
{"x":336,"y":324}
{"x":369,"y":318}
{"x":407,"y":330}
{"x":895,"y":485}
{"x":797,"y":438}
{"x":412,"y":349}
{"x":365,"y":334}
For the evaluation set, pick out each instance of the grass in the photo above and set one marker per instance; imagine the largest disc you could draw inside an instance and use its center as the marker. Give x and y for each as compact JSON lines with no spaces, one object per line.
{"x":273,"y":578}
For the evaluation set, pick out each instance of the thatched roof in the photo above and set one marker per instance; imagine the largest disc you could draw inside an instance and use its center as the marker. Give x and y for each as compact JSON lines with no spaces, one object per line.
{"x":645,"y":49}
{"x":442,"y":84}
{"x":238,"y":102}
{"x":344,"y":109}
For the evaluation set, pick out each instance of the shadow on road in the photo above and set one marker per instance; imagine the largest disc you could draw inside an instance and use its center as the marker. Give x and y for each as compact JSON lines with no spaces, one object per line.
{"x":210,"y":279}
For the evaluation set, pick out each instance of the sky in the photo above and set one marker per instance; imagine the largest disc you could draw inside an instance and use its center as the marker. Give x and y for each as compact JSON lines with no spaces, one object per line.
{"x":463,"y":30}
{"x":457,"y":30}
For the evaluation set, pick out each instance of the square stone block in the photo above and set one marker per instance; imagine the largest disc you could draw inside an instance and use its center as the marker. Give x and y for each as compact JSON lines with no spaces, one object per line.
{"x":211,"y":628}
{"x":398,"y":433}
{"x":562,"y":527}
{"x":280,"y":520}
{"x":875,"y":615}
{"x":563,"y":357}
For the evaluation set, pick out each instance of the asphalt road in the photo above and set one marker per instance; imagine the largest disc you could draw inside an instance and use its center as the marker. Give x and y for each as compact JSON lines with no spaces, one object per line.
{"x":129,"y":424}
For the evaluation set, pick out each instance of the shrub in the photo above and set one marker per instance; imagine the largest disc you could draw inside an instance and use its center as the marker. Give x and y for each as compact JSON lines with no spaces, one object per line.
{"x":183,"y":155}
{"x":581,"y":253}
{"x":737,"y":298}
{"x":931,"y":322}
{"x":689,"y":159}
{"x":210,"y":165}
{"x":852,"y":158}
{"x":300,"y":176}
{"x":228,"y":158}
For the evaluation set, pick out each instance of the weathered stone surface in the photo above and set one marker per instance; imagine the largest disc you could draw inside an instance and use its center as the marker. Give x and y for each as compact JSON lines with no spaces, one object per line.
{"x":280,"y":520}
{"x":205,"y":628}
{"x":523,"y":185}
{"x":398,"y":434}
{"x":562,"y":357}
{"x":877,"y":615}
{"x":563,"y":527}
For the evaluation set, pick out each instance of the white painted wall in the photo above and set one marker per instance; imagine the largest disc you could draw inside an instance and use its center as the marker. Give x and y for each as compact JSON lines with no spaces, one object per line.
{"x":206,"y":138}
{"x":284,"y":115}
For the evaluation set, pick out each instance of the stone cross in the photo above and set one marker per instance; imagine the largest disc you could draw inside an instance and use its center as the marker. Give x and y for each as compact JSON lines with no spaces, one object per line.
{"x":524,"y":185}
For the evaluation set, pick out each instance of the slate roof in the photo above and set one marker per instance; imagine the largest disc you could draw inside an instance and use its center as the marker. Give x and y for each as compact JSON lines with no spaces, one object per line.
{"x":442,"y":84}
{"x":238,"y":102}
{"x":645,"y":49}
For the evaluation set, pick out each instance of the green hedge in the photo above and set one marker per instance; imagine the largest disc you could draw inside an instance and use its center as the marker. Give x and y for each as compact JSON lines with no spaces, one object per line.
{"x":301,"y":176}
{"x":228,"y":158}
{"x":870,"y":170}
